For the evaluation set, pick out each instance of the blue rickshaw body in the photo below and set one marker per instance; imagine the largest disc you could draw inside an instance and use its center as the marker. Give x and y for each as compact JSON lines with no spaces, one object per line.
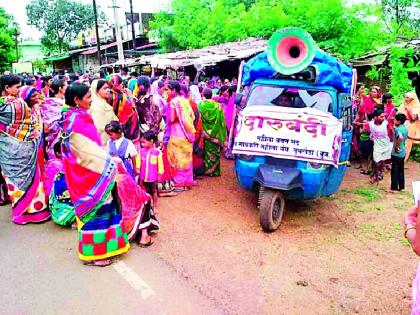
{"x":299,"y":180}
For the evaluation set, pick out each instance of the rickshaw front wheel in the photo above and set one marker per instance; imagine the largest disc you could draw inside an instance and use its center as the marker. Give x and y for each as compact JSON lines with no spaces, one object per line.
{"x":272,"y":205}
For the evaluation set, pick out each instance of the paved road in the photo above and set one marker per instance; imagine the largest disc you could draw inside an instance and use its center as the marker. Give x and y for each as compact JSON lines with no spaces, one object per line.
{"x":41,"y":274}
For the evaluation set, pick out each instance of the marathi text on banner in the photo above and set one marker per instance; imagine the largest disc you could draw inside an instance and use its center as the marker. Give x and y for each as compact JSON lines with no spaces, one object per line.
{"x":304,"y":134}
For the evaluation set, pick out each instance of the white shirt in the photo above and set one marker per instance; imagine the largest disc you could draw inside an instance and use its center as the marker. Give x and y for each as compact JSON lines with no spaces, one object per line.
{"x":131,"y":149}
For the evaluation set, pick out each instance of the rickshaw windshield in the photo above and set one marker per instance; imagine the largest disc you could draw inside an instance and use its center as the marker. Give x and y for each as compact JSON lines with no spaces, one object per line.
{"x":267,"y":95}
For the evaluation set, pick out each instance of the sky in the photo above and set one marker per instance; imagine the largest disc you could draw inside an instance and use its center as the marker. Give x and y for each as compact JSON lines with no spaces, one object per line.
{"x":17,"y":9}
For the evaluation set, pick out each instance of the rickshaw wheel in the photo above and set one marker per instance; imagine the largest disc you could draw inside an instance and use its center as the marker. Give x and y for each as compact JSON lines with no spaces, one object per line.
{"x":272,"y":205}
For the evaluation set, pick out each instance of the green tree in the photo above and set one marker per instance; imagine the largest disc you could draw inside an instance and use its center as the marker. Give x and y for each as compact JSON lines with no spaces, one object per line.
{"x":8,"y":29}
{"x":344,"y":31}
{"x":60,"y":21}
{"x":402,"y":17}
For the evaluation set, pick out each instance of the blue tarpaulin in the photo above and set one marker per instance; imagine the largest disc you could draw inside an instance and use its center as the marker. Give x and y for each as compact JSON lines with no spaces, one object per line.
{"x":330,"y":71}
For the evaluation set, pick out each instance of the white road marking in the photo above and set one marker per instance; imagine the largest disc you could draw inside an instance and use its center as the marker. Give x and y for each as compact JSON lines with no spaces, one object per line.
{"x":134,"y":279}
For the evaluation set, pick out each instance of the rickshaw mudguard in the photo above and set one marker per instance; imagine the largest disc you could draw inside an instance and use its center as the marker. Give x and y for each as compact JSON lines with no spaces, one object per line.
{"x":277,"y":177}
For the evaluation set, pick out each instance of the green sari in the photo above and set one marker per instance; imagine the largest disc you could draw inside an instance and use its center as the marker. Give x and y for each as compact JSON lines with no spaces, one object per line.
{"x":214,"y":125}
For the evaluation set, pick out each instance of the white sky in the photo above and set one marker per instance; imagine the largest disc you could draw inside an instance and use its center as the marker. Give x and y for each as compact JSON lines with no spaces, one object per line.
{"x":17,"y":9}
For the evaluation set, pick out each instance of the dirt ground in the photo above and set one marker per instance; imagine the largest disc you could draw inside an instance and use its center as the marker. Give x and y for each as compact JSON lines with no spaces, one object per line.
{"x":339,"y":255}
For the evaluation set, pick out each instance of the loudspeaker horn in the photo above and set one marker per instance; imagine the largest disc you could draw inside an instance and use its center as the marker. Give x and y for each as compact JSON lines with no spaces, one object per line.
{"x":290,"y":50}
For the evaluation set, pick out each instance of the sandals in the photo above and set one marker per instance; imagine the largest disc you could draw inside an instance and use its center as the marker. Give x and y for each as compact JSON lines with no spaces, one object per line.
{"x":148,"y":244}
{"x":167,"y":194}
{"x":98,"y":263}
{"x":364,"y":172}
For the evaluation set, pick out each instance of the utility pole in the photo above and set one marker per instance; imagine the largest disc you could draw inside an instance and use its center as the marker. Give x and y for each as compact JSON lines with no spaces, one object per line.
{"x":17,"y":43}
{"x":118,"y":33}
{"x":98,"y":42}
{"x":133,"y":32}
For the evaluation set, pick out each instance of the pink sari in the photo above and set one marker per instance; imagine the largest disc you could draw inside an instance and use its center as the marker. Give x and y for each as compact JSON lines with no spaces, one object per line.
{"x":133,"y":200}
{"x":52,"y":167}
{"x":415,"y":310}
{"x":180,"y":145}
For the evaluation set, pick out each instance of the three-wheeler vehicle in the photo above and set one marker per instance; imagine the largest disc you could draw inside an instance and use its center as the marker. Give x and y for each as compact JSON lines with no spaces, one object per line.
{"x":292,"y":78}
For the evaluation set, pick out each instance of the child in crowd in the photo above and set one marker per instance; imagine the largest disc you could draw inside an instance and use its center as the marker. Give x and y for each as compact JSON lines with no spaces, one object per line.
{"x":61,"y":206}
{"x":364,"y":144}
{"x":119,"y":146}
{"x":151,"y":168}
{"x":53,"y":166}
{"x":398,"y":153}
{"x":380,"y":134}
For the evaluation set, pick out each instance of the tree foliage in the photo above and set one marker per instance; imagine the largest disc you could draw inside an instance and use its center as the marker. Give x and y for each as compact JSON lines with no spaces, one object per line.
{"x":401,"y":59}
{"x":8,"y":29}
{"x":60,"y":21}
{"x":402,"y":17}
{"x":344,"y":31}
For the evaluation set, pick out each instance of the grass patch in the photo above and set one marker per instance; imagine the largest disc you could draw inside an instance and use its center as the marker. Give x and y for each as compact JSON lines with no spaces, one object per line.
{"x":404,"y":204}
{"x":362,"y":206}
{"x":405,"y":242}
{"x":380,"y":232}
{"x":362,"y":199}
{"x":368,"y":193}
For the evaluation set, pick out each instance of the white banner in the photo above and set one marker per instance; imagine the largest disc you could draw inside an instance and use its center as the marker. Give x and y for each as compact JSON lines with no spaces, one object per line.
{"x":304,"y":134}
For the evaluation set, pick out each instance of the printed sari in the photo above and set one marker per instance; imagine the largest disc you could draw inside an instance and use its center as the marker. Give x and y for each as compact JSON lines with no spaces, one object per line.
{"x":198,"y":147}
{"x":214,"y":125}
{"x":149,"y":113}
{"x":124,"y":108}
{"x":51,"y":115}
{"x":21,"y":161}
{"x":90,"y":174}
{"x":61,"y":206}
{"x":137,"y":213}
{"x":180,"y":145}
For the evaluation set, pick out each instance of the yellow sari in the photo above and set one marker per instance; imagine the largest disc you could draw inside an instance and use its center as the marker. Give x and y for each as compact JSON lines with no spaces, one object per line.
{"x":411,"y":108}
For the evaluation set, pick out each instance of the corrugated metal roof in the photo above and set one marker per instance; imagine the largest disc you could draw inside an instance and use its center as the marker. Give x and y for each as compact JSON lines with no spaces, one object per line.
{"x":207,"y":56}
{"x":379,"y":57}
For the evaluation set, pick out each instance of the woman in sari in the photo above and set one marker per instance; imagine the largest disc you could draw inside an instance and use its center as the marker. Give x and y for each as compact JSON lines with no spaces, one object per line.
{"x":411,"y":108}
{"x":98,"y":185}
{"x":53,"y":165}
{"x":148,"y":110}
{"x":214,"y":126}
{"x":90,"y":177}
{"x":180,"y":119}
{"x":32,"y":98}
{"x":123,"y":104}
{"x":46,"y":87}
{"x":368,"y":105}
{"x":21,"y":155}
{"x":51,"y":114}
{"x":198,"y":147}
{"x":102,"y":113}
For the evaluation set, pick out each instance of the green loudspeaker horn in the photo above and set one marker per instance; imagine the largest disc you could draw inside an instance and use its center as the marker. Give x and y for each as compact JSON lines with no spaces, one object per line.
{"x":291,"y":50}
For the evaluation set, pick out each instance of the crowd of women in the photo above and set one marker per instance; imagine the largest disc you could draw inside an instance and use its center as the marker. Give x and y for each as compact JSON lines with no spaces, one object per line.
{"x":95,"y":153}
{"x":374,"y":138}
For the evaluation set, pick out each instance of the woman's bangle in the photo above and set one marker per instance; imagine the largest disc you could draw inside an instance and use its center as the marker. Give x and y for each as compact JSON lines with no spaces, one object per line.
{"x":408,"y":229}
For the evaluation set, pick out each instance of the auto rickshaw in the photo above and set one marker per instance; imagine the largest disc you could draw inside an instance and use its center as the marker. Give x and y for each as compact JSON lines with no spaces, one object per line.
{"x":292,"y":83}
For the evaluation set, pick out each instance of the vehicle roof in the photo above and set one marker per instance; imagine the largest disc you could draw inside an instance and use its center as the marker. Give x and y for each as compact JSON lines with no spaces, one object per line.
{"x":294,"y":83}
